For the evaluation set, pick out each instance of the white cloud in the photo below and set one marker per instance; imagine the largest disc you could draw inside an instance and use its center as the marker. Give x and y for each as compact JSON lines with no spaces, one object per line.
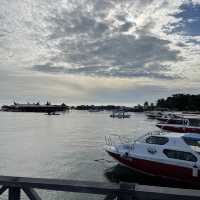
{"x":104,"y":41}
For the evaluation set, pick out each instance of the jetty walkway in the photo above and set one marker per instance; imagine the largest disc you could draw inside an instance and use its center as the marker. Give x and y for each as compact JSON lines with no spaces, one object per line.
{"x":123,"y":191}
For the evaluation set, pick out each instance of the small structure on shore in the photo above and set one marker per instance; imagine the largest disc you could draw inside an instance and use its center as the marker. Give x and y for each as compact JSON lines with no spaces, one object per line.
{"x":35,"y":107}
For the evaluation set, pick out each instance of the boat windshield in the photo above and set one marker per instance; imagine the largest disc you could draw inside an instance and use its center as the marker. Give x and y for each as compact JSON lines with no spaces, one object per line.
{"x":157,"y":140}
{"x":194,"y":143}
{"x":194,"y":122}
{"x":175,"y":121}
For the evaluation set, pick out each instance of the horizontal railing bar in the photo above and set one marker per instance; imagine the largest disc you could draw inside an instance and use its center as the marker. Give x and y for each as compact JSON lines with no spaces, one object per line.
{"x":63,"y":185}
{"x":111,"y":189}
{"x":167,"y":190}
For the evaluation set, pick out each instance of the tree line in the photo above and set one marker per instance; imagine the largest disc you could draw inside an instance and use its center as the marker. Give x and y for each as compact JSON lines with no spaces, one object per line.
{"x":179,"y":102}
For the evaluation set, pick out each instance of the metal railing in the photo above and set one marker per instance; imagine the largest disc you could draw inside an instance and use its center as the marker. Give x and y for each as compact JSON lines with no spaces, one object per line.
{"x":111,"y":191}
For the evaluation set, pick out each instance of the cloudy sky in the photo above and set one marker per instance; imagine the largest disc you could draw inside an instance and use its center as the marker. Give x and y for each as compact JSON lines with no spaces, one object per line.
{"x":98,"y":51}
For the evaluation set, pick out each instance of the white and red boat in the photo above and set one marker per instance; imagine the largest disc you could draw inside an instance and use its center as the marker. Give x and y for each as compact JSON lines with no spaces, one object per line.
{"x":184,"y":125}
{"x":169,"y":116}
{"x":154,"y":114}
{"x":168,"y":155}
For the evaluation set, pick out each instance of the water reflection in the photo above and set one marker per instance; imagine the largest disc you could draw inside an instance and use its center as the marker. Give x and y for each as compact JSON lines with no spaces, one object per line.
{"x":119,"y":173}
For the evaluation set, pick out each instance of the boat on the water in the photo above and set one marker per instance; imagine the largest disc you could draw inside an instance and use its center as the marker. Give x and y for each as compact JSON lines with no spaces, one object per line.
{"x":94,"y":110}
{"x":182,"y":125}
{"x":35,"y":107}
{"x":52,"y":113}
{"x":120,"y":114}
{"x":168,"y":116}
{"x":154,"y":114}
{"x":172,"y":156}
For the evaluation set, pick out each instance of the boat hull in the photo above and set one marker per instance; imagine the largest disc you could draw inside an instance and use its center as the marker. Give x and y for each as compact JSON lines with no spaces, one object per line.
{"x":158,"y":169}
{"x":180,"y":129}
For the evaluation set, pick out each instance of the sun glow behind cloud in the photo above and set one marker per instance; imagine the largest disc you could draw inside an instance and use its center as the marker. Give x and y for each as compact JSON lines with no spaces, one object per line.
{"x":90,"y":49}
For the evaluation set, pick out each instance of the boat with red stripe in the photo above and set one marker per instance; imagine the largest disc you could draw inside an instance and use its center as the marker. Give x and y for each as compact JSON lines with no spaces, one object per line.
{"x":184,"y":125}
{"x":173,"y":156}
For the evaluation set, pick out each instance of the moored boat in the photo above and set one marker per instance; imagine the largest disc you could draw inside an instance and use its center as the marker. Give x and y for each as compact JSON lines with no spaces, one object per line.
{"x":182,"y":125}
{"x":172,"y":156}
{"x":154,"y":114}
{"x":120,"y":114}
{"x":168,"y":116}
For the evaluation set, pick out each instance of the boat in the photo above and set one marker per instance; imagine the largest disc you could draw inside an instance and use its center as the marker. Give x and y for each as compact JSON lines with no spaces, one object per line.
{"x":94,"y":110}
{"x":52,"y":113}
{"x":168,"y":116}
{"x":120,"y":114}
{"x":154,"y":114}
{"x":34,"y":107}
{"x":182,"y":125}
{"x":172,"y":156}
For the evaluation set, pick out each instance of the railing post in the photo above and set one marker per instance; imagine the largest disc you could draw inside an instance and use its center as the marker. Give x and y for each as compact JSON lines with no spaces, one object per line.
{"x":14,"y":193}
{"x":123,"y":195}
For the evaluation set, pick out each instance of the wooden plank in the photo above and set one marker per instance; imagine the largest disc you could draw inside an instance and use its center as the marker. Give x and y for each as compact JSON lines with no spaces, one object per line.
{"x":123,"y":195}
{"x":62,"y":185}
{"x":32,"y":194}
{"x":14,"y":193}
{"x":146,"y":192}
{"x":3,"y":189}
{"x":125,"y":190}
{"x":162,"y":196}
{"x":110,"y":197}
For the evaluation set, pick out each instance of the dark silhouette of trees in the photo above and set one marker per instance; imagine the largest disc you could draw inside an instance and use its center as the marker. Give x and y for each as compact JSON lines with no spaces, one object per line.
{"x":180,"y":102}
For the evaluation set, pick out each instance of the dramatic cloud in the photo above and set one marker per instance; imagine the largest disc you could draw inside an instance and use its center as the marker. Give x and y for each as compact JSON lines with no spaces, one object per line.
{"x":93,"y":40}
{"x":153,"y":40}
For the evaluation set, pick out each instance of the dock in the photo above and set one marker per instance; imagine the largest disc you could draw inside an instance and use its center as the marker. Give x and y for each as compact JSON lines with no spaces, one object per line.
{"x":109,"y":191}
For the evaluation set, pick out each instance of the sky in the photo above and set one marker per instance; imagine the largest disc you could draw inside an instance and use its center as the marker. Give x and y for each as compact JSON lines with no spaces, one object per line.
{"x":120,"y":52}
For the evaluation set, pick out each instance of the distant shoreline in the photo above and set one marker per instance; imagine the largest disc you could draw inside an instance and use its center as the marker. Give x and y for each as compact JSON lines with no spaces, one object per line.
{"x":177,"y":102}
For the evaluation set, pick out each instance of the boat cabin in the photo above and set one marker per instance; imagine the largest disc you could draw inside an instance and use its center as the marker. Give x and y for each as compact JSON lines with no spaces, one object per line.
{"x":171,"y":155}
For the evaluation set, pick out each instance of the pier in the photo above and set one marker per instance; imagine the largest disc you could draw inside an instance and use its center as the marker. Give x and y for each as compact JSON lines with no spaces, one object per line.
{"x":109,"y":191}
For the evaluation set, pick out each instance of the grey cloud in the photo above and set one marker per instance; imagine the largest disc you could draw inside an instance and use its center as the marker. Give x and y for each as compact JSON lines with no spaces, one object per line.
{"x":75,"y":22}
{"x":105,"y":71}
{"x":125,"y":27}
{"x":127,"y":50}
{"x":48,"y":68}
{"x":86,"y":41}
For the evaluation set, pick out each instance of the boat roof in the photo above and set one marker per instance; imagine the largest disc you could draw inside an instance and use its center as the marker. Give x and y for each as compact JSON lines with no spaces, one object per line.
{"x":192,"y":136}
{"x":179,"y":135}
{"x":189,"y":116}
{"x":173,"y":134}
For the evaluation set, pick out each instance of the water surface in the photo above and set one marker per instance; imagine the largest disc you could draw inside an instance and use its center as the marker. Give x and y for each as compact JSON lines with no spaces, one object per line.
{"x":67,"y":146}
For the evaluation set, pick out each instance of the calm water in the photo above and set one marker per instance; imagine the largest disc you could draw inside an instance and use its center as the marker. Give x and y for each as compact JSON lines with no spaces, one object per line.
{"x":68,"y":146}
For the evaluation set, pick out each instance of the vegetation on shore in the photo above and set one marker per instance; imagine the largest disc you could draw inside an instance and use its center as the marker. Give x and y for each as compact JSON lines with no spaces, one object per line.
{"x":176,"y":102}
{"x":180,"y":102}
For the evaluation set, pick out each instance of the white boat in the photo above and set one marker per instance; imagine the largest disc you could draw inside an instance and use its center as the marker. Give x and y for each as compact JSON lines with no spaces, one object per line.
{"x":182,"y":125}
{"x":154,"y":114}
{"x":120,"y":114}
{"x":168,"y":116}
{"x":173,"y":156}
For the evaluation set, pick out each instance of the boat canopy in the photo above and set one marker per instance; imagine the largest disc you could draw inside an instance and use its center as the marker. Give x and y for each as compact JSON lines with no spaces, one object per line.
{"x":192,"y":137}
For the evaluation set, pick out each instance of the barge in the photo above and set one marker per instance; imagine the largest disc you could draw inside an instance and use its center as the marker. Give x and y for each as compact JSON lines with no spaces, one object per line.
{"x":35,"y":107}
